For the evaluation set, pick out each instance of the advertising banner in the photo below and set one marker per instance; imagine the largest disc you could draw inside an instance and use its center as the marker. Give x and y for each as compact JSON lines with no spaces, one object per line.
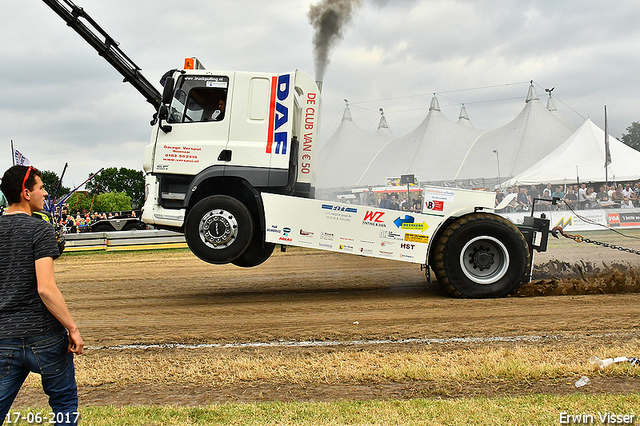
{"x":348,"y":228}
{"x":584,"y":220}
{"x":624,"y":219}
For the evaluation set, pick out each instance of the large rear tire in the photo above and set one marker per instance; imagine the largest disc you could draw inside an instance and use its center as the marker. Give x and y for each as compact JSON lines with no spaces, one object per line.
{"x":481,"y":255}
{"x":218,"y":229}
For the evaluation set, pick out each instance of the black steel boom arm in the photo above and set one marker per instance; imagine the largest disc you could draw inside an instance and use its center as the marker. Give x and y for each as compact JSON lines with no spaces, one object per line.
{"x":107,"y":48}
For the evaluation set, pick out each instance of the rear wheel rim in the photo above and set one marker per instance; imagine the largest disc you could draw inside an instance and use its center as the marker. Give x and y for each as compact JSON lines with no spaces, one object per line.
{"x":484,"y":260}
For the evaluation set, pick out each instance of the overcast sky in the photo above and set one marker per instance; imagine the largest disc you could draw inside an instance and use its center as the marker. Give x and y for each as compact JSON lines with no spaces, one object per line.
{"x":62,"y":103}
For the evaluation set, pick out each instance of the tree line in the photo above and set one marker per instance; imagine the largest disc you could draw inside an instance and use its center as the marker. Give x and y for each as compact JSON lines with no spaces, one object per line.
{"x":632,"y":137}
{"x":112,"y":190}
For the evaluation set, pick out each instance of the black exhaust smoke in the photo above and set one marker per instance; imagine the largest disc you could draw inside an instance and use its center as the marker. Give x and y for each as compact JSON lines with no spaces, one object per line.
{"x":328,"y":18}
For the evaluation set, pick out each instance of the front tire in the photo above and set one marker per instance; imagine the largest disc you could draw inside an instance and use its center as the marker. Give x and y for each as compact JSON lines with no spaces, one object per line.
{"x":257,"y":253}
{"x":481,"y":255}
{"x":218,"y":229}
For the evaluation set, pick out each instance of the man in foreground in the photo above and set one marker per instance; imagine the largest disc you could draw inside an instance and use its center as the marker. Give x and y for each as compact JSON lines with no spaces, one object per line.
{"x":37,"y":332}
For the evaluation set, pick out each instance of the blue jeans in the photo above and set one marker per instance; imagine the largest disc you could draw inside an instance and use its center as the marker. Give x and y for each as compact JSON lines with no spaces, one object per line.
{"x":48,"y":356}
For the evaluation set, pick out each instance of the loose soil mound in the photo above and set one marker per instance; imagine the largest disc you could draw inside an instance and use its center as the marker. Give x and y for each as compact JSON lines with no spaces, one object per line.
{"x":556,"y":278}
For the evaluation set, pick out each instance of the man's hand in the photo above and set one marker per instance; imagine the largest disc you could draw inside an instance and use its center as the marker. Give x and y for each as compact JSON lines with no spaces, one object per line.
{"x":76,"y":344}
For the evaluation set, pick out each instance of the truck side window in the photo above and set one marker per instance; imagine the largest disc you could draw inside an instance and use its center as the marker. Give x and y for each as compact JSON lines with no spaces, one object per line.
{"x":199,"y":99}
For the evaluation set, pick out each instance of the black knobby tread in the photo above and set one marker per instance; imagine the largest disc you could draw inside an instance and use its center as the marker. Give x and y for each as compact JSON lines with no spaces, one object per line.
{"x":438,"y":257}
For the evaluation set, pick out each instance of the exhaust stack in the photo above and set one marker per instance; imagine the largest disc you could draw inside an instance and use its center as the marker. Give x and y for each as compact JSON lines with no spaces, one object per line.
{"x":319,"y":83}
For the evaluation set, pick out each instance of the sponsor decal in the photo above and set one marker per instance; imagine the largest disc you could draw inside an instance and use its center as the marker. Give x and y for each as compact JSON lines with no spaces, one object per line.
{"x":346,"y":239}
{"x":285,"y":239}
{"x":366,"y":251}
{"x":325,"y":245}
{"x":386,"y":243}
{"x":614,"y":219}
{"x":390,"y":235}
{"x":274,"y":230}
{"x":346,"y":247}
{"x":309,"y":125}
{"x":340,"y":213}
{"x":278,"y":115}
{"x":439,"y":194}
{"x":407,"y":246}
{"x":286,"y":231}
{"x":408,"y":222}
{"x":415,"y":226}
{"x":366,"y":242}
{"x":374,"y":218}
{"x":407,"y":256}
{"x":339,"y":208}
{"x":162,"y":167}
{"x":385,"y":253}
{"x":180,"y":154}
{"x":416,"y":238}
{"x":326,"y":236}
{"x":399,"y":222}
{"x":434,"y":205}
{"x":307,"y":234}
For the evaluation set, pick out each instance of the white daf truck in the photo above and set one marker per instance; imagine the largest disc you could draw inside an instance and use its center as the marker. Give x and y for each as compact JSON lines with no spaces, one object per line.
{"x":230,"y":162}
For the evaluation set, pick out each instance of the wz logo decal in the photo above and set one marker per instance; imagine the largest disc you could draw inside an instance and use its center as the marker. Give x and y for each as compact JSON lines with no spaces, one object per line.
{"x":373,"y":218}
{"x":278,"y":114}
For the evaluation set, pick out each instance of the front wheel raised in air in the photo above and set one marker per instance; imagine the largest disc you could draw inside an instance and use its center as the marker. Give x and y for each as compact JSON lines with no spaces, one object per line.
{"x":481,"y":255}
{"x":218,"y":229}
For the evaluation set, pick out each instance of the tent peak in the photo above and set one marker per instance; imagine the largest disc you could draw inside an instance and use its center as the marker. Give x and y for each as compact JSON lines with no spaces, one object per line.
{"x":463,"y":114}
{"x":383,"y":121}
{"x":346,"y":115}
{"x":435,"y":105}
{"x":532,"y":95}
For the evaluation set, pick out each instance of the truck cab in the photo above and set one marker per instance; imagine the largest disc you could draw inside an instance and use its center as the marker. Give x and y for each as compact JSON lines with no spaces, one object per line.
{"x":229,"y":135}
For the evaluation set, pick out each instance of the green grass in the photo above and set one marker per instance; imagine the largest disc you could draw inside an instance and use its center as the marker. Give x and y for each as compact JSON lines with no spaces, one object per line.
{"x":519,"y":410}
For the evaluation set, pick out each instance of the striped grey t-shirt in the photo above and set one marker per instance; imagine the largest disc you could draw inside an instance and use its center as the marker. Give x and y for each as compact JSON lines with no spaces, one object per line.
{"x":23,"y":240}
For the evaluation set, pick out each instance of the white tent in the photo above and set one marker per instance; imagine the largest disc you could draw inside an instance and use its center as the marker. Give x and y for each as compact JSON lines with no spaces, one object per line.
{"x":533,"y":134}
{"x":347,"y":153}
{"x":431,"y":152}
{"x":581,"y":158}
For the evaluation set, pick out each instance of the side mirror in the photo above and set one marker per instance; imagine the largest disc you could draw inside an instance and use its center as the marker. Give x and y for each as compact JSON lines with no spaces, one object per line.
{"x":163,"y":113}
{"x":167,"y":92}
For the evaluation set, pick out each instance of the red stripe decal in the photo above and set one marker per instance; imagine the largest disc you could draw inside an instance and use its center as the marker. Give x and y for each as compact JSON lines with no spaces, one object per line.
{"x":272,"y":113}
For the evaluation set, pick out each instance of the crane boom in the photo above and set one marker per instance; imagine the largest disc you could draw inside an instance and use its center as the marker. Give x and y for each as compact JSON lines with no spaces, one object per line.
{"x":108,"y":48}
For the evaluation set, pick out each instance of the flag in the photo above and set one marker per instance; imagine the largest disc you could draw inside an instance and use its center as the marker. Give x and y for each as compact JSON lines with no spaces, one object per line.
{"x":607,"y":152}
{"x":607,"y":160}
{"x":19,"y":159}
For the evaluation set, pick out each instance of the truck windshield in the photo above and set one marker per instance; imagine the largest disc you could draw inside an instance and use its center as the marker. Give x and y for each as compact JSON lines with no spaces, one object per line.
{"x":199,"y":98}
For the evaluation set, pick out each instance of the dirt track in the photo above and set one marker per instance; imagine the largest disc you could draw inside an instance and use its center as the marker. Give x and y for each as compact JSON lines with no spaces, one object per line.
{"x":302,"y":295}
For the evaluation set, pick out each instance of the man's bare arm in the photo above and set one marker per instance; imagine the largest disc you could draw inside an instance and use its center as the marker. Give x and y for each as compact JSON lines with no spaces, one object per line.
{"x":53,"y":300}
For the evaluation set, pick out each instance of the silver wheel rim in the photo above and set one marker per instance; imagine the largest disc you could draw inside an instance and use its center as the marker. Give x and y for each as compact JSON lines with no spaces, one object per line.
{"x":484,"y":260}
{"x":218,"y":229}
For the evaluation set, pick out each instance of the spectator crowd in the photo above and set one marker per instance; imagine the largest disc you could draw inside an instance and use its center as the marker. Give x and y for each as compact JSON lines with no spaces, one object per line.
{"x":387,"y":200}
{"x":581,"y":197}
{"x":72,"y":224}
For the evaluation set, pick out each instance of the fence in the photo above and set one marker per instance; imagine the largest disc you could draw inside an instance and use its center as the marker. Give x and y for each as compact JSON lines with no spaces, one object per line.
{"x":124,"y":240}
{"x":586,"y":220}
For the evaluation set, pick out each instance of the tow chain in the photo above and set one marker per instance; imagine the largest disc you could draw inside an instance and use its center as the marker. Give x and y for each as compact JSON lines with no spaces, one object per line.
{"x":581,"y":239}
